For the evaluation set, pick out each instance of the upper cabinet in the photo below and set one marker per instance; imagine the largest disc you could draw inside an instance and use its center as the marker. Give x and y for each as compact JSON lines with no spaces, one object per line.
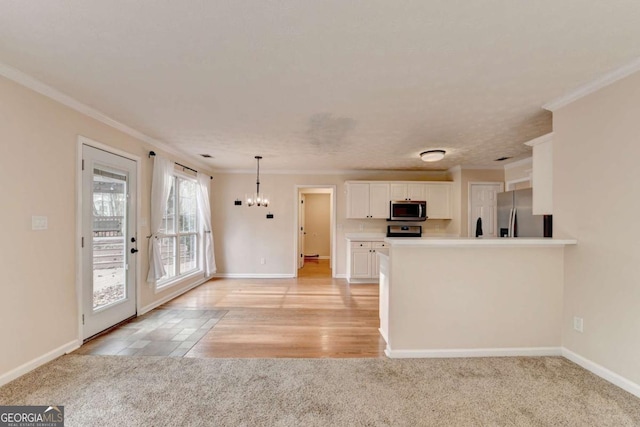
{"x":370,"y":199}
{"x":439,"y":200}
{"x":542,"y":174}
{"x":408,"y":190}
{"x":367,"y":200}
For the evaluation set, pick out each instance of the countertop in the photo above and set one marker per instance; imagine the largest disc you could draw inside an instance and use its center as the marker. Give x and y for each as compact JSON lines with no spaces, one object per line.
{"x":366,"y":237}
{"x":478,"y":242}
{"x":379,"y":237}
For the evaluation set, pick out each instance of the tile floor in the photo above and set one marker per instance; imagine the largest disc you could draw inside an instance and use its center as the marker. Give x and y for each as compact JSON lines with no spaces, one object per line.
{"x":162,"y":332}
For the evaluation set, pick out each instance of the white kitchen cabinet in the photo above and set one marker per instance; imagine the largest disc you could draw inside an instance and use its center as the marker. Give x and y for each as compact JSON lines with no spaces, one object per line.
{"x":375,"y":266}
{"x":368,"y":200}
{"x":542,"y":174}
{"x":439,"y":200}
{"x":362,"y":261}
{"x":408,"y":190}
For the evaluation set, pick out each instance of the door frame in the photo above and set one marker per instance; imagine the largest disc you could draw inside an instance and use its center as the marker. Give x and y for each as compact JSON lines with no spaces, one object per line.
{"x":332,"y":222}
{"x":83,"y":140}
{"x":302,"y":231}
{"x":470,"y":222}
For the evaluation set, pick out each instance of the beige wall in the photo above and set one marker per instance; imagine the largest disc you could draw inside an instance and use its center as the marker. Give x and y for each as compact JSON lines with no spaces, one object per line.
{"x":600,"y":132}
{"x":318,"y":224}
{"x":39,"y":141}
{"x":474,"y":175}
{"x":475,"y":298}
{"x":244,"y":235}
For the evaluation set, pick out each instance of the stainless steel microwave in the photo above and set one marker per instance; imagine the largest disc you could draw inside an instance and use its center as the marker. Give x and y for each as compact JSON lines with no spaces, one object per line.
{"x":408,"y":210}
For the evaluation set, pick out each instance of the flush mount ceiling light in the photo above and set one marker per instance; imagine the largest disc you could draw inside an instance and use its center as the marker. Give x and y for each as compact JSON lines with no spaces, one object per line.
{"x":257,"y":199}
{"x":432,"y":155}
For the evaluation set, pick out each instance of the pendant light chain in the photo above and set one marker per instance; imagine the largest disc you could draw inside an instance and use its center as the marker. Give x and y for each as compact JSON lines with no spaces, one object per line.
{"x":257,"y":198}
{"x":258,"y":175}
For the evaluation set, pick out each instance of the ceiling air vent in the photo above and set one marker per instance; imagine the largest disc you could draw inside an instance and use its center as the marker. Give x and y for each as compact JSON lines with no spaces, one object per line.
{"x":207,"y":156}
{"x":501,"y":159}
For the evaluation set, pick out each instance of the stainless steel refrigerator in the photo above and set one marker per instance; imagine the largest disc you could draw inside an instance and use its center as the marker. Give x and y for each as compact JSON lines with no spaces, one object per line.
{"x":515,"y":215}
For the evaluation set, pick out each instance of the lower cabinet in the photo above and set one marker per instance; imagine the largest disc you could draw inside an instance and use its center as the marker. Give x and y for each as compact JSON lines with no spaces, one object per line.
{"x":362,"y":262}
{"x":384,"y":297}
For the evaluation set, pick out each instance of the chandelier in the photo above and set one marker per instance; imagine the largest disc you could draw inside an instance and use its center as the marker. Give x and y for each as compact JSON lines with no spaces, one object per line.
{"x":257,"y":198}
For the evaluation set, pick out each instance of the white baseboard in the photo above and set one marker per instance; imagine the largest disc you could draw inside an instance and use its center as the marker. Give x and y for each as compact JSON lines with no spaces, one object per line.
{"x":384,"y":336}
{"x":39,"y":361}
{"x":155,"y":304}
{"x":602,"y":372}
{"x":474,"y":352}
{"x":253,"y":276}
{"x":363,"y":281}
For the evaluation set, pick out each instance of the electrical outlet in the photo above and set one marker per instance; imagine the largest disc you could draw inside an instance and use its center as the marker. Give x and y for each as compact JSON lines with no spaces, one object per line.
{"x":39,"y":222}
{"x":578,"y":324}
{"x":263,"y":261}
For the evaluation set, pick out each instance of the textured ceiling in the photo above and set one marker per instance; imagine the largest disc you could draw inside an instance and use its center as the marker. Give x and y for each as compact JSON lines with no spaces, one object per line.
{"x":319,"y":85}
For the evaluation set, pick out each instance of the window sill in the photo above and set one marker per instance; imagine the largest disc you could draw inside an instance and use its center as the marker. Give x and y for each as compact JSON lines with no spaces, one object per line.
{"x":198,"y":274}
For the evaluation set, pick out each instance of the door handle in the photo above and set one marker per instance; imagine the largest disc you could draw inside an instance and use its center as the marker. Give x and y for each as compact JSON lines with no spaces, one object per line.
{"x":134,"y":250}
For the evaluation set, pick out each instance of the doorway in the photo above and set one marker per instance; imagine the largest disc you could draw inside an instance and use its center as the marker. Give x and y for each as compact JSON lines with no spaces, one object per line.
{"x":315,"y":231}
{"x":108,"y":205}
{"x":483,"y":204}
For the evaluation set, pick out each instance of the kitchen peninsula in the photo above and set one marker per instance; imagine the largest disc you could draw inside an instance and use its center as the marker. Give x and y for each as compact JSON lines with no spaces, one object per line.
{"x":448,"y":297}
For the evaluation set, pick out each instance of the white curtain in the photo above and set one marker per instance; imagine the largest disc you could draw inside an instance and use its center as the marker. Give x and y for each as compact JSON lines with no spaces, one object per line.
{"x":160,"y":189}
{"x":204,"y":207}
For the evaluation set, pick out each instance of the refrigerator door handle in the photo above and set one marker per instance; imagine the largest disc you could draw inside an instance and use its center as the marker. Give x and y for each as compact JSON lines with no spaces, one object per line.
{"x":512,"y":223}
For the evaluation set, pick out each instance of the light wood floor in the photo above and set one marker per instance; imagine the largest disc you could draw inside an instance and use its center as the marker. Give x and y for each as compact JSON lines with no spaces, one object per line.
{"x":311,"y":316}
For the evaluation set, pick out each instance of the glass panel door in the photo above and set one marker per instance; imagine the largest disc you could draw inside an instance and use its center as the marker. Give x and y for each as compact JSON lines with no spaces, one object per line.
{"x":109,"y":237}
{"x":109,"y":241}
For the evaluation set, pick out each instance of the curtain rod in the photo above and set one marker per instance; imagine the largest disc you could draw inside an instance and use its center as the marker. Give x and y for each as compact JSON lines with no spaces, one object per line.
{"x":153,"y":153}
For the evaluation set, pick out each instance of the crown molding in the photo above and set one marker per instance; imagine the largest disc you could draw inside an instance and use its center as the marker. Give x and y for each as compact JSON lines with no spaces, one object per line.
{"x":540,"y":140}
{"x":294,"y":171}
{"x":597,"y":84}
{"x":525,"y":161}
{"x":327,"y":171}
{"x":481,"y":167}
{"x":68,"y":101}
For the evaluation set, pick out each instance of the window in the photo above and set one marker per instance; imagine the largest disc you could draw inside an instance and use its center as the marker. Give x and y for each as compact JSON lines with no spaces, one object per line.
{"x":181,"y":245}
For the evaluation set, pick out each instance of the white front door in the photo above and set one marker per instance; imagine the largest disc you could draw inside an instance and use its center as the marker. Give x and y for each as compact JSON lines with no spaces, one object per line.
{"x":483,"y":203}
{"x":109,"y":239}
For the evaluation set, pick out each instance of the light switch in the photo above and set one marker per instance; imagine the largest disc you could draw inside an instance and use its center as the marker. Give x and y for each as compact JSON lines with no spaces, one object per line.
{"x":39,"y":222}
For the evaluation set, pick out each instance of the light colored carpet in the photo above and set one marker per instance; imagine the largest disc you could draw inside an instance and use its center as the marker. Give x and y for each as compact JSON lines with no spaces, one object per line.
{"x":155,"y":391}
